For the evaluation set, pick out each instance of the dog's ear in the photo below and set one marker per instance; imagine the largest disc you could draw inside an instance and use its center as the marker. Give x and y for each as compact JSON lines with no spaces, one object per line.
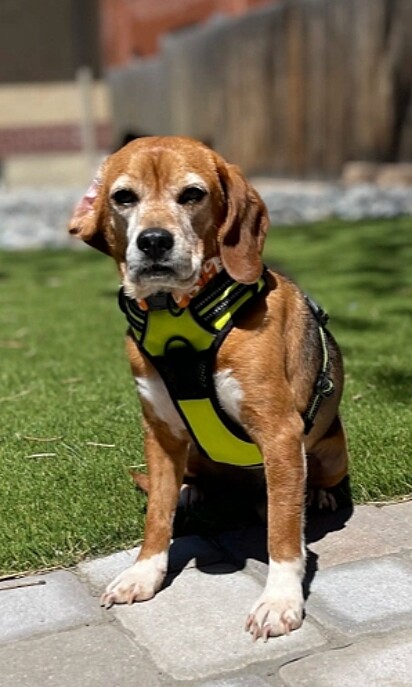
{"x":242,"y":234}
{"x":88,"y":218}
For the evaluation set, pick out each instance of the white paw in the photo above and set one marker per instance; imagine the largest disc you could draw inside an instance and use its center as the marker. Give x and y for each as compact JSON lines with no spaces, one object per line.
{"x":140,"y":582}
{"x":279,"y":610}
{"x":272,"y":617}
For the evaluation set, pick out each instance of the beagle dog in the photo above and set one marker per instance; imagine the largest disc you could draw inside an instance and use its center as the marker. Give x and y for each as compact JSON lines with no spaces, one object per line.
{"x":176,"y":217}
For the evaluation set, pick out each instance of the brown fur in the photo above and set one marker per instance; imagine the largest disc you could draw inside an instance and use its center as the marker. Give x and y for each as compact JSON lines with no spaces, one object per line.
{"x":274,"y":352}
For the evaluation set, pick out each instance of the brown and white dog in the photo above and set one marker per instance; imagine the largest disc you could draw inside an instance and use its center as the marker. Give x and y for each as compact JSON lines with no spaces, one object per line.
{"x":161,"y":207}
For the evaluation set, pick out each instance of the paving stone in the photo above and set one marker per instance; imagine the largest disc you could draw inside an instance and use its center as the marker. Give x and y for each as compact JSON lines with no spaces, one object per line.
{"x":247,"y":547}
{"x":385,"y":661}
{"x":185,"y":552}
{"x":84,"y":657}
{"x":195,"y":627}
{"x":370,"y":532}
{"x":371,"y":595}
{"x":242,"y":681}
{"x":101,"y":571}
{"x":62,"y":602}
{"x":401,"y":512}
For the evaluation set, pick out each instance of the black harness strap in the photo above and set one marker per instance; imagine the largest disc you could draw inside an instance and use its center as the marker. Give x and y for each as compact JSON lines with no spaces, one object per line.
{"x":189,"y":373}
{"x":324,"y":385}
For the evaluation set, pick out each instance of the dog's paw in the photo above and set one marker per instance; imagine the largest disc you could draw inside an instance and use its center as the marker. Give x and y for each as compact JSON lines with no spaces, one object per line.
{"x":322,"y":499}
{"x":275,"y":615}
{"x":140,"y":582}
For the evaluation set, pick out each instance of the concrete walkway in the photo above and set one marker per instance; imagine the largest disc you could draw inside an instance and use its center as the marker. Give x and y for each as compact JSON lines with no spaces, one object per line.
{"x":357,"y":631}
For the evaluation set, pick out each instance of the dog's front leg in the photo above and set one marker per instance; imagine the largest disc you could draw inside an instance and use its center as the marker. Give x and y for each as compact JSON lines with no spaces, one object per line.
{"x":166,"y":458}
{"x":279,"y":609}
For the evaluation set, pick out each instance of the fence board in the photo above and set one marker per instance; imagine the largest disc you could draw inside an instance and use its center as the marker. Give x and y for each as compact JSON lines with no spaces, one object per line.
{"x":298,"y":88}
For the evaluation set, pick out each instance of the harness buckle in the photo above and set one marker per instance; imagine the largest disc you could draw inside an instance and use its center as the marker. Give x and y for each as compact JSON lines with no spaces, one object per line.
{"x":320,"y":314}
{"x":158,"y":301}
{"x":324,"y":385}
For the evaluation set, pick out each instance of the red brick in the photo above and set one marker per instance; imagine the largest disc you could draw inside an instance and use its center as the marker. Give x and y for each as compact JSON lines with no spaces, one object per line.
{"x":51,"y":138}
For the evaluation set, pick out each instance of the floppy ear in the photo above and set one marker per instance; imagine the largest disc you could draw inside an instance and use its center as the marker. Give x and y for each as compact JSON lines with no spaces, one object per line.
{"x":88,"y":217}
{"x":242,"y":235}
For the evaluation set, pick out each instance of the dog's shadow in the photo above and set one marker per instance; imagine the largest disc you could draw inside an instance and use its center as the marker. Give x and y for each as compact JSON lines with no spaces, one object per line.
{"x":218,"y":546}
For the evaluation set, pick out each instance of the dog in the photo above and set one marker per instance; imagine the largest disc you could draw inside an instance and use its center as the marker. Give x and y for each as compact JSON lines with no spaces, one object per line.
{"x":178,"y":219}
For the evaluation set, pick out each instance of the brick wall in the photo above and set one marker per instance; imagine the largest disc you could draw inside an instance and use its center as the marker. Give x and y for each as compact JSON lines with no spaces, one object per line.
{"x":132,"y":28}
{"x":49,"y":138}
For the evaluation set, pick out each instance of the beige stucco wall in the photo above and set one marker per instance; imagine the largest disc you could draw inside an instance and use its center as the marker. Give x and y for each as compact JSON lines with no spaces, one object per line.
{"x":50,"y":103}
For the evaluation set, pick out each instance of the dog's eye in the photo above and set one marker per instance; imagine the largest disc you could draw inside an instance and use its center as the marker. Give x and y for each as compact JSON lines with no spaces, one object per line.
{"x":193,"y":194}
{"x":125,"y":196}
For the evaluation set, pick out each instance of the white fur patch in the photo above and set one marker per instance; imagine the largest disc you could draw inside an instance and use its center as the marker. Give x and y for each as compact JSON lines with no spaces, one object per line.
{"x":139,"y":582}
{"x":154,"y":391}
{"x":229,"y":393}
{"x":279,"y":609}
{"x":193,"y":179}
{"x":285,"y":575}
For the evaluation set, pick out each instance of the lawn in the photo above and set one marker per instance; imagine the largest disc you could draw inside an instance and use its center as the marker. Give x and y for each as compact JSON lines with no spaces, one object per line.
{"x":69,"y":416}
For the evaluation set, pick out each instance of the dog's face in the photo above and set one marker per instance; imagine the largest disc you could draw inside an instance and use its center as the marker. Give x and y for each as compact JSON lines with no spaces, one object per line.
{"x":161,"y":206}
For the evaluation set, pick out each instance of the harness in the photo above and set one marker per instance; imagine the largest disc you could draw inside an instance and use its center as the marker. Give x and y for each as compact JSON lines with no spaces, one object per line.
{"x":182,"y":344}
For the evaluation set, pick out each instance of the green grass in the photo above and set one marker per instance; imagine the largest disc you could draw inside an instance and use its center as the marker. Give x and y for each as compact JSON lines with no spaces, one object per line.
{"x":361,"y":273}
{"x":64,"y":377}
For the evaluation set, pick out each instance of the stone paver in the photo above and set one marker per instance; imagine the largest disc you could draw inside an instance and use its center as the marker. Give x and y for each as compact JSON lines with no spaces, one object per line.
{"x":247,"y":547}
{"x":378,"y":662}
{"x":358,"y":628}
{"x":76,"y":658}
{"x":366,"y":596}
{"x":185,"y":552}
{"x":61,"y":603}
{"x":242,"y":681}
{"x":195,"y":627}
{"x":370,"y":532}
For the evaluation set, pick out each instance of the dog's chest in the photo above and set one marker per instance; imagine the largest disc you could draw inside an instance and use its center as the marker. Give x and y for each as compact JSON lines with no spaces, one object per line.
{"x":153,"y":390}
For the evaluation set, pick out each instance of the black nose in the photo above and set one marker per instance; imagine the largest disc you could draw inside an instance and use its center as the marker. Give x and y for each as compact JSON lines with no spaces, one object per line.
{"x":155,"y":242}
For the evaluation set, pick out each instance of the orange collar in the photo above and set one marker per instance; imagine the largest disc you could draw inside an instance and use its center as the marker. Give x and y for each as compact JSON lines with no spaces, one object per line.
{"x":210,"y":268}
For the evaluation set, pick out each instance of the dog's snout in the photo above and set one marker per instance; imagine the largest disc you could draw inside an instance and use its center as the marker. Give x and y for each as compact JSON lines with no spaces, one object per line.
{"x":155,"y":242}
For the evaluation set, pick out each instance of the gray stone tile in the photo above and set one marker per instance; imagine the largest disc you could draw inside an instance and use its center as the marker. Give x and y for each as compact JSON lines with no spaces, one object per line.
{"x":185,"y":552}
{"x":100,"y":571}
{"x":384,"y":661}
{"x":61,"y":603}
{"x":371,"y":595}
{"x":195,"y":627}
{"x":247,"y":547}
{"x":401,"y":512}
{"x":242,"y":681}
{"x":86,"y":657}
{"x":370,"y":532}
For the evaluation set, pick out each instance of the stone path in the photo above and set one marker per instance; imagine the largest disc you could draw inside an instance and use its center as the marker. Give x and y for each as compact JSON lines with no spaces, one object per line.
{"x":357,"y":630}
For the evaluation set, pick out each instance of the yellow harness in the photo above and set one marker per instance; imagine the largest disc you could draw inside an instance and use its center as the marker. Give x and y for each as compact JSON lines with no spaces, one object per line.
{"x":182,"y":344}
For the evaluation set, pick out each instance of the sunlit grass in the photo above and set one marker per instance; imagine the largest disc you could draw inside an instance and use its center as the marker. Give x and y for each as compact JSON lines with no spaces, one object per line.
{"x":361,"y":274}
{"x":69,"y":415}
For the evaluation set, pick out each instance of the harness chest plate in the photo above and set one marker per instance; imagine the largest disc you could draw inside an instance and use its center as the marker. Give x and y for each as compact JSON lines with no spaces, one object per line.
{"x":182,"y":344}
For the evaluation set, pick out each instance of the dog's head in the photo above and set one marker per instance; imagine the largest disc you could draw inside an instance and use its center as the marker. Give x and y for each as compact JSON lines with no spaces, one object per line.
{"x":161,"y":206}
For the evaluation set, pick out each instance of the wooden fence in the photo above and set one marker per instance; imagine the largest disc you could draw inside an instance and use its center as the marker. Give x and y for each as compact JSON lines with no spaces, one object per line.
{"x":298,"y":88}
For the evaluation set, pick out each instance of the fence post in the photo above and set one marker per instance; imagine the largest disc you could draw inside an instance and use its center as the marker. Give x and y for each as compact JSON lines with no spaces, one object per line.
{"x":84,"y":79}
